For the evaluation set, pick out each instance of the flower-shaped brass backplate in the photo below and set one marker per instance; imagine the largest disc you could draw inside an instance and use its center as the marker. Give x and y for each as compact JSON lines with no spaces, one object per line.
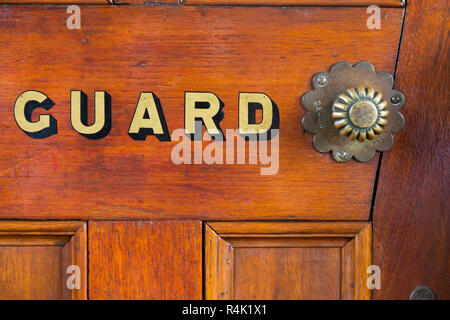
{"x":353,"y":111}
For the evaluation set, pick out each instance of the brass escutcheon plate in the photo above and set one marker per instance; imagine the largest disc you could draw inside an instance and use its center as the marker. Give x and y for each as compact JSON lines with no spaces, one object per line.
{"x":353,"y":111}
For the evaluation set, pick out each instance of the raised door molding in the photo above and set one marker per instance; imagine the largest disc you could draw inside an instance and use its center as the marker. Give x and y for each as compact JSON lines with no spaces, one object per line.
{"x":287,"y":260}
{"x":35,"y":257}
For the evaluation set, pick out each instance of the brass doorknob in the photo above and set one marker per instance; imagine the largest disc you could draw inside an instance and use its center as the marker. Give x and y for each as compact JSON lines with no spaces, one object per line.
{"x":360,"y":113}
{"x":353,"y":111}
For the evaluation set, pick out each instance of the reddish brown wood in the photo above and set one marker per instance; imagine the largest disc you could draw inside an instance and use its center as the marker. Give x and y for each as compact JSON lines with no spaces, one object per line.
{"x":286,"y":273}
{"x":152,"y":2}
{"x":68,"y":2}
{"x":388,"y":3}
{"x":288,"y":228}
{"x":75,"y":253}
{"x":34,"y":257}
{"x":126,"y":50}
{"x":411,"y":215}
{"x":366,"y":3}
{"x":145,"y":260}
{"x":31,"y":272}
{"x":255,"y":260}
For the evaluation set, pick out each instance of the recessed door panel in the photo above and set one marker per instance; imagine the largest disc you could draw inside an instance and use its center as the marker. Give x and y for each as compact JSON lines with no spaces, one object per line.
{"x":297,"y":260}
{"x":43,"y":260}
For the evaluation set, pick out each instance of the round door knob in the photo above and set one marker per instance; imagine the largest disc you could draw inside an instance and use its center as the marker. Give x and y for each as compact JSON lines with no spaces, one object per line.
{"x":360,"y":113}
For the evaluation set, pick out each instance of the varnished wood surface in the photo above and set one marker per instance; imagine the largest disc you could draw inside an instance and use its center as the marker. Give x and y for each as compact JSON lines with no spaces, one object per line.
{"x":366,"y":3}
{"x":230,"y":229}
{"x":75,"y":253}
{"x":145,"y":260}
{"x":68,"y":2}
{"x":286,"y":273}
{"x":389,"y":3}
{"x":41,"y":227}
{"x":34,"y":257}
{"x":363,"y":259}
{"x":126,"y":50}
{"x":348,"y":271}
{"x":31,"y":272}
{"x":152,"y":2}
{"x":411,"y":214}
{"x":284,"y":265}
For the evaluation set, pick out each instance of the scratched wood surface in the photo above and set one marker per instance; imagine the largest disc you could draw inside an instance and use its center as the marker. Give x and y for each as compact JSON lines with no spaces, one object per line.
{"x":167,"y":50}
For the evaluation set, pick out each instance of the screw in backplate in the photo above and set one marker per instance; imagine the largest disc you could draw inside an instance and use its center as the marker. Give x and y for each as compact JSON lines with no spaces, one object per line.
{"x":341,"y":156}
{"x":321,"y":80}
{"x":396,"y":99}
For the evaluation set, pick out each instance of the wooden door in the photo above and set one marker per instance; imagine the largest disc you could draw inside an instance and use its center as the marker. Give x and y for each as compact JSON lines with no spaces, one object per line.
{"x":130,"y":222}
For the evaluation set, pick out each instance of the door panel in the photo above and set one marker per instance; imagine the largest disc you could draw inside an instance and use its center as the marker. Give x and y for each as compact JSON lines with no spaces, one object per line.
{"x":298,"y":260}
{"x":31,"y":272}
{"x":221,"y":50}
{"x":145,"y":260}
{"x":286,"y":273}
{"x":37,"y":259}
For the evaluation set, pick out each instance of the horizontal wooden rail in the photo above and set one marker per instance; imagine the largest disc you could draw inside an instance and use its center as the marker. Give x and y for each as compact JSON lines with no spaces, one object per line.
{"x":330,"y":3}
{"x":67,"y":2}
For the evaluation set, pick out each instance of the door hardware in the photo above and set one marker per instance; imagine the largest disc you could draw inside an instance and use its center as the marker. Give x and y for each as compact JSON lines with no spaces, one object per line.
{"x":353,"y":111}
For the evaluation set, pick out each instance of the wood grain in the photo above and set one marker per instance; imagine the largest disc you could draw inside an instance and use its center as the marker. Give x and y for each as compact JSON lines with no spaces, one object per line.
{"x":304,"y":228}
{"x":279,"y":265}
{"x":41,"y":227}
{"x":286,"y":273}
{"x":145,"y":260}
{"x":75,"y":253}
{"x":389,"y":3}
{"x":126,"y":50}
{"x":34,"y":257}
{"x":411,"y":214}
{"x":31,"y":272}
{"x":99,"y":2}
{"x":68,"y":2}
{"x":329,"y":3}
{"x":152,"y":2}
{"x":363,"y":259}
{"x":348,"y":274}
